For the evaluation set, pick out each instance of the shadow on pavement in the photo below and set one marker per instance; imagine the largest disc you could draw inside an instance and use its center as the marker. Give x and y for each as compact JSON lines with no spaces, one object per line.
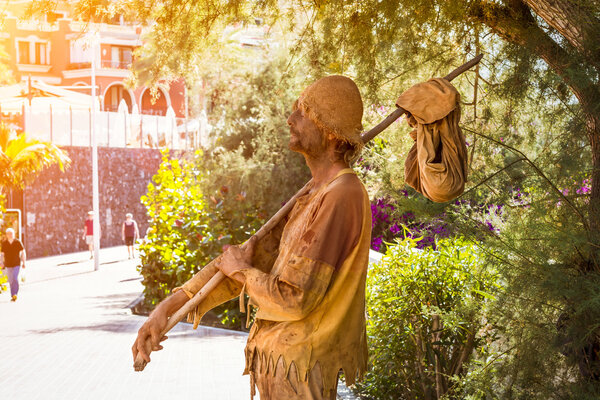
{"x":182,"y":330}
{"x":33,"y":282}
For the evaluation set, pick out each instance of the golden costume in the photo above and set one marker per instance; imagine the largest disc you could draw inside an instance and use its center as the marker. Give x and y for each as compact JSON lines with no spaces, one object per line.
{"x":308,"y":275}
{"x":311,"y":304}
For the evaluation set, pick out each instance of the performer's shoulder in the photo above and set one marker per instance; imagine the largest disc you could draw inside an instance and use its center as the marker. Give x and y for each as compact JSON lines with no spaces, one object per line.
{"x":347,"y":186}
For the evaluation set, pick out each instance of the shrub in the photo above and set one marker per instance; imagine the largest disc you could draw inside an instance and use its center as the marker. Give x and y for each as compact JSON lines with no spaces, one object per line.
{"x":187,"y":227}
{"x":425,"y":309}
{"x":224,"y":195}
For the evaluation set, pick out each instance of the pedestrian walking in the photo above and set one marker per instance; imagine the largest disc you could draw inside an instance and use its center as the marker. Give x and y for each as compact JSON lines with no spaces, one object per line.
{"x":88,"y":232}
{"x":130,"y":233}
{"x":12,"y":259}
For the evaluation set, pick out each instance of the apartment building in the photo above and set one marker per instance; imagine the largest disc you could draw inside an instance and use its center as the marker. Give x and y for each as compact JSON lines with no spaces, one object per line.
{"x":55,"y":49}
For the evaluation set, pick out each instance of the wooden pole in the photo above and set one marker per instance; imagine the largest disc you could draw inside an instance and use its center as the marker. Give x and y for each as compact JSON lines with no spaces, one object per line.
{"x":139,"y":363}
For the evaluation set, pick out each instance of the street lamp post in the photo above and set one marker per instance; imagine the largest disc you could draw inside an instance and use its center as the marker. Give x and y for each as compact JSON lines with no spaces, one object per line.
{"x":95,"y":190}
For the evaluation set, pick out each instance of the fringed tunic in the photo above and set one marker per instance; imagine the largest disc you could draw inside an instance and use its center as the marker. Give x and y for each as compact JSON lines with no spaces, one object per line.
{"x":311,"y":298}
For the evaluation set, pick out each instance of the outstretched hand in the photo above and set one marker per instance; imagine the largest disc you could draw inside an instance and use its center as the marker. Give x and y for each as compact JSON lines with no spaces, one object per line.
{"x":236,"y":258}
{"x":149,"y":335}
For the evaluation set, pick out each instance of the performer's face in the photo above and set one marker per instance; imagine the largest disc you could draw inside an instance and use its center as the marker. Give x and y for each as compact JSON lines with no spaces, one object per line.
{"x":305,"y":136}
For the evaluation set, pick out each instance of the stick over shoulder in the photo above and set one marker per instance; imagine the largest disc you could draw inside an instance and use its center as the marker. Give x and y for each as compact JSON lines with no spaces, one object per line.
{"x":192,"y":303}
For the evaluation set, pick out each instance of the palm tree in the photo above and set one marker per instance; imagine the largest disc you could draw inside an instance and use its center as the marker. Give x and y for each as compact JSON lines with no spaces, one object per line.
{"x":23,"y":158}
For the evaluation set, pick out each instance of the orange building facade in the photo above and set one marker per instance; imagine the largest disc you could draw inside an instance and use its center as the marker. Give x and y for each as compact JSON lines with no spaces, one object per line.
{"x":56,"y":50}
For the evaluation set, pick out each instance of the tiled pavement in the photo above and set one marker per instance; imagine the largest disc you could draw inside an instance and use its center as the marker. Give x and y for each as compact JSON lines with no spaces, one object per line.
{"x":69,"y":337}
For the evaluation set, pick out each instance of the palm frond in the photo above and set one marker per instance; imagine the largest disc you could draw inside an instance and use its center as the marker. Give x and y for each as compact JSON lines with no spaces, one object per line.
{"x":22,"y":158}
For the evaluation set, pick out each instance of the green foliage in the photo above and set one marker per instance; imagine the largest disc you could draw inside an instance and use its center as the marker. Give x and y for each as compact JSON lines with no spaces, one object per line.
{"x":425,"y":317}
{"x":224,"y":195}
{"x":23,"y":158}
{"x":249,"y":110}
{"x":188,"y":228}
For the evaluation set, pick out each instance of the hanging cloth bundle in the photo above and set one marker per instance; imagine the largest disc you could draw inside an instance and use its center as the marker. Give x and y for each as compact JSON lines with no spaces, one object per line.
{"x":436,"y":165}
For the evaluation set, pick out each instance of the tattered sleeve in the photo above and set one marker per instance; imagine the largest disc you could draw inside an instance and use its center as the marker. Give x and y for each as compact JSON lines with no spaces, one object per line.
{"x":331,"y":232}
{"x":265,"y":254}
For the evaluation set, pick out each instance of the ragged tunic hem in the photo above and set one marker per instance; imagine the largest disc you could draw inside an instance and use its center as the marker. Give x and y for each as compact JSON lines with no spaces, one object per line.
{"x":353,"y":369}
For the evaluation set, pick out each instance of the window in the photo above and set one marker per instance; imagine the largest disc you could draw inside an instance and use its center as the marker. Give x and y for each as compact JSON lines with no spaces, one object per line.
{"x":125,"y":56}
{"x":40,"y":54}
{"x":24,"y":53}
{"x":33,"y":52}
{"x":121,"y":57}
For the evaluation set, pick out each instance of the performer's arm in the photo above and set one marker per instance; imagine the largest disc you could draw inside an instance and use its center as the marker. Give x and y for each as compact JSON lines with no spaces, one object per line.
{"x":261,"y":255}
{"x":293,"y":294}
{"x":155,"y":324}
{"x":304,"y":280}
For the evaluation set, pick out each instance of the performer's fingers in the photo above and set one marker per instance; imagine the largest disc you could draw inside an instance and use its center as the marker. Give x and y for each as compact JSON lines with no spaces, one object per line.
{"x":142,"y":352}
{"x":164,"y":338}
{"x":155,"y":337}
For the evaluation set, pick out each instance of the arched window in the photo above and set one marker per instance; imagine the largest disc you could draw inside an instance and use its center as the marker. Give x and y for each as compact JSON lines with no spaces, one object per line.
{"x":155,"y":106}
{"x":113,"y":96}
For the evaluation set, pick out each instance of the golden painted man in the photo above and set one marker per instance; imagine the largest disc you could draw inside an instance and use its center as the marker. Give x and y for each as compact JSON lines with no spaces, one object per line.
{"x":310,"y":321}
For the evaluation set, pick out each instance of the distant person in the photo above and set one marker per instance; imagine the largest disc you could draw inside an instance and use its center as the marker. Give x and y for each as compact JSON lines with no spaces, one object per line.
{"x":130,"y":233}
{"x":88,"y":232}
{"x":12,"y":259}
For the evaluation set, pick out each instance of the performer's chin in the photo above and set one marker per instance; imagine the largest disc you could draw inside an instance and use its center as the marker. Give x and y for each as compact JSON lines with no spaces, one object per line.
{"x":294,"y":144}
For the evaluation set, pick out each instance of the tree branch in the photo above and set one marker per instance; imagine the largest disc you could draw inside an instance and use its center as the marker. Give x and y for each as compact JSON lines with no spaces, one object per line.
{"x":537,"y":170}
{"x":574,"y":21}
{"x":516,"y":25}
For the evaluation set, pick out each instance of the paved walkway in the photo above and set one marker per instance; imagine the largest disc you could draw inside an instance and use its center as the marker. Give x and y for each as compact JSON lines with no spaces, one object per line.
{"x":69,"y":336}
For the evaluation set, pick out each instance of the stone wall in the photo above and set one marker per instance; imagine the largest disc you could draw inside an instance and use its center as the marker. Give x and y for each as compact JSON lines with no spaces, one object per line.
{"x":56,"y":204}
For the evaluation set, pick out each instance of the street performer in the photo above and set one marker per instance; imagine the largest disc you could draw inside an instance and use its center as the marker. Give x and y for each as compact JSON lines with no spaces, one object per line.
{"x":310,"y":296}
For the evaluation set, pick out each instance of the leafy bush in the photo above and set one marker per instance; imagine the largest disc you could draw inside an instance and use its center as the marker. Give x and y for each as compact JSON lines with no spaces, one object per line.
{"x":225,"y":194}
{"x":425,"y":309}
{"x":388,"y":222}
{"x":187,"y":227}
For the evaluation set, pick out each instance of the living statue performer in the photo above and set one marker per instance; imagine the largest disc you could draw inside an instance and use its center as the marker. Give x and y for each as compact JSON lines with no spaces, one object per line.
{"x":307,"y":277}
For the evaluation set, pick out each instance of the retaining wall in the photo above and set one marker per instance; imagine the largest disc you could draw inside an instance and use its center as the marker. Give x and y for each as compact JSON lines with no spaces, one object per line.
{"x":56,"y":204}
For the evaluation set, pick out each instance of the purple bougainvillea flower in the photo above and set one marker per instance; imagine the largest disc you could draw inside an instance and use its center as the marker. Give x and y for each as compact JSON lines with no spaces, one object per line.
{"x":376,"y":243}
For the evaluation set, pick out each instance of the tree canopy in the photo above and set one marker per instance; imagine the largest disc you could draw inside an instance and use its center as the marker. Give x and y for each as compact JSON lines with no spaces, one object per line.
{"x":531,"y":117}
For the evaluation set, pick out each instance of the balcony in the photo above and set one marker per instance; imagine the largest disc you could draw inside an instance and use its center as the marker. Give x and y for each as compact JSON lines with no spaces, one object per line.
{"x":116,"y":64}
{"x":104,"y":64}
{"x":115,"y":69}
{"x":36,"y":26}
{"x":37,"y":68}
{"x":79,"y":65}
